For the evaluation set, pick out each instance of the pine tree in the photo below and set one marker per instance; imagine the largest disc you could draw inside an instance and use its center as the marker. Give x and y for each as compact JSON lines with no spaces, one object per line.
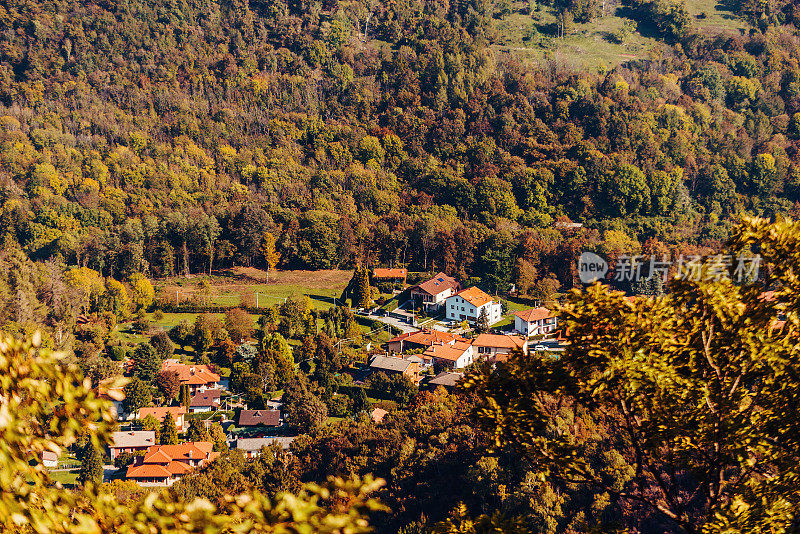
{"x":361,"y":289}
{"x":196,"y":431}
{"x":186,"y":398}
{"x":482,"y":325}
{"x":91,"y":466}
{"x":169,"y":432}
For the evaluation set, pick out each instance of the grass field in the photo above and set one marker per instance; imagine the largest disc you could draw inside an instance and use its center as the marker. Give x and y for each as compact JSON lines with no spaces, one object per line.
{"x":67,"y":478}
{"x":252,"y":287}
{"x":533,"y":37}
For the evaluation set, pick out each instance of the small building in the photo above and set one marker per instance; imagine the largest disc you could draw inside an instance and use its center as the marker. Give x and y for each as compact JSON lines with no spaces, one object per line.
{"x":535,"y":322}
{"x":392,"y":276}
{"x":160,"y":412}
{"x":251,"y":447}
{"x":421,"y":340}
{"x":255,"y":418}
{"x":456,"y":356}
{"x":163,"y":465}
{"x":49,"y":459}
{"x":197,"y":377}
{"x":445,"y":379}
{"x":494,"y":347}
{"x":205,"y":401}
{"x":130,"y":442}
{"x":377,"y":415}
{"x":391,"y":365}
{"x":432,"y":294}
{"x":467,"y":305}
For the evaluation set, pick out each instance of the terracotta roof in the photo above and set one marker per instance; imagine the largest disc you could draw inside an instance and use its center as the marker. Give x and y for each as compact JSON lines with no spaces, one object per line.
{"x":535,"y":314}
{"x":428,"y":337}
{"x":259,"y":417}
{"x":389,"y":363}
{"x":147,"y":471}
{"x":134,"y":438}
{"x":49,"y":456}
{"x":389,"y":273}
{"x":191,"y":374}
{"x":196,"y":450}
{"x":499,"y":341}
{"x":209,"y":397}
{"x":378,"y":414}
{"x":160,"y":412}
{"x":437,"y":284}
{"x":475,"y":296}
{"x":446,"y":352}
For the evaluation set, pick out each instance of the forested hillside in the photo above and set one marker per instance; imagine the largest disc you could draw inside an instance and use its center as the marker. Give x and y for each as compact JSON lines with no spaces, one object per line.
{"x":164,"y":137}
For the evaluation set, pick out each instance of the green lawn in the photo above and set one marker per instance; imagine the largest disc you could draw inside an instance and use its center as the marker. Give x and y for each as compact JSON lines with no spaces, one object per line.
{"x":67,"y":478}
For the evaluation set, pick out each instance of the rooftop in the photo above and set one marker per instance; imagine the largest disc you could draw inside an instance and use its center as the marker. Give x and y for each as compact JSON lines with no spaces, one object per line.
{"x":498,"y":341}
{"x":427,"y":337}
{"x":535,"y":314}
{"x":437,"y":284}
{"x":447,"y":352}
{"x":255,"y":444}
{"x":160,"y":412}
{"x":259,"y":417}
{"x":133,"y":438}
{"x":446,"y":379}
{"x":378,"y":414}
{"x":192,"y":374}
{"x":209,"y":397}
{"x":475,"y":296}
{"x":382,"y":273}
{"x":390,"y":363}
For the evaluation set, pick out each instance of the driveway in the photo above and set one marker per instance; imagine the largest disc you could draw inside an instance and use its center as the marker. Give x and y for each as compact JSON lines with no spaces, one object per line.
{"x":397,"y":323}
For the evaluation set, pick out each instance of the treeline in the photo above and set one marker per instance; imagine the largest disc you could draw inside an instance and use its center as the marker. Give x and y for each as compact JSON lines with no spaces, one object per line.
{"x":164,"y":138}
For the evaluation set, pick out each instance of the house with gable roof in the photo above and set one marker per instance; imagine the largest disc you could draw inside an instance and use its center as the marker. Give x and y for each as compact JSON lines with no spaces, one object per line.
{"x":535,"y":322}
{"x":432,"y":294}
{"x":163,"y":465}
{"x":496,"y":348}
{"x":197,"y":377}
{"x":468,"y":304}
{"x":160,"y":412}
{"x":421,"y":340}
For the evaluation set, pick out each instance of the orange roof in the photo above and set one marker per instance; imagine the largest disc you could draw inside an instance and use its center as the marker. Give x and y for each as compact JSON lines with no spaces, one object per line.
{"x":499,"y":341}
{"x":147,"y":471}
{"x":191,"y":374}
{"x":378,"y":414}
{"x":475,"y":296}
{"x":535,"y":314}
{"x":437,"y":284}
{"x":389,"y":273}
{"x":160,"y":412}
{"x":185,"y":451}
{"x":428,"y":337}
{"x":446,"y":352}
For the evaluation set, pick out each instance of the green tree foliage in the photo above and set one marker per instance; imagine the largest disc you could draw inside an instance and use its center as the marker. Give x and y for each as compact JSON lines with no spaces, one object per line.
{"x":162,"y":344}
{"x":29,"y":500}
{"x":361,"y":293}
{"x":91,"y":465}
{"x":239,"y":324}
{"x":303,"y":409}
{"x":693,"y":388}
{"x":169,"y":432}
{"x":137,"y":395}
{"x":185,"y":397}
{"x":146,"y":362}
{"x":197,"y":431}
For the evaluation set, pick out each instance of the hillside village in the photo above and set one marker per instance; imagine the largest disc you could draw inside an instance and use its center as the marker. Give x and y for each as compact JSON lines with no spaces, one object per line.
{"x":179,"y":416}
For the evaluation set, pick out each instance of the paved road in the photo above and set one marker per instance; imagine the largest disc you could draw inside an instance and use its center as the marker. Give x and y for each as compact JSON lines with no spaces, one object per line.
{"x":397,"y":323}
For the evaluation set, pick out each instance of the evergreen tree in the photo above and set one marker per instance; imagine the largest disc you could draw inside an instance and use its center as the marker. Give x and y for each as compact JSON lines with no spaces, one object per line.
{"x":137,"y":395}
{"x":482,"y":325}
{"x":360,"y":400}
{"x":169,"y":432}
{"x":196,"y":431}
{"x":91,"y":465}
{"x":146,"y":362}
{"x":360,"y":288}
{"x":186,"y":397}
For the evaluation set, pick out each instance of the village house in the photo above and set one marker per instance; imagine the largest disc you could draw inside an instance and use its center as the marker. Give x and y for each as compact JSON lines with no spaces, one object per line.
{"x":535,"y":322}
{"x":421,"y":340}
{"x":205,"y":401}
{"x":377,"y":415}
{"x":447,"y":380}
{"x":49,"y":459}
{"x":197,"y":377}
{"x":494,"y":347}
{"x":256,"y":418}
{"x":160,"y":412}
{"x":251,"y":447}
{"x":391,"y":276}
{"x":130,"y":442}
{"x":467,"y":305}
{"x":456,"y":356}
{"x":391,"y":365}
{"x":432,"y":294}
{"x":163,"y":465}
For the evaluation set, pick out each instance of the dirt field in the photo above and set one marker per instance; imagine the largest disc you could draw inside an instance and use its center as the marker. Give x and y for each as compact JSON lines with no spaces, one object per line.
{"x":310,"y":279}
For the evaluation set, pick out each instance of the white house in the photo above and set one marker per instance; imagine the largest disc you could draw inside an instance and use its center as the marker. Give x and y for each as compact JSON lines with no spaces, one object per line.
{"x":434,"y":292}
{"x":456,"y":356}
{"x":468,"y":305}
{"x":535,"y":322}
{"x":494,"y":347}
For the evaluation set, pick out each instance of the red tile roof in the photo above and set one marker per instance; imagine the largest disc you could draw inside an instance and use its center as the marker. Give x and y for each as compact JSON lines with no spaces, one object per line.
{"x":382,"y":273}
{"x":498,"y":341}
{"x":191,"y":374}
{"x":475,"y":296}
{"x":437,"y":284}
{"x":446,"y":352}
{"x":535,"y":314}
{"x":160,"y":412}
{"x":427,"y":337}
{"x":259,"y":417}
